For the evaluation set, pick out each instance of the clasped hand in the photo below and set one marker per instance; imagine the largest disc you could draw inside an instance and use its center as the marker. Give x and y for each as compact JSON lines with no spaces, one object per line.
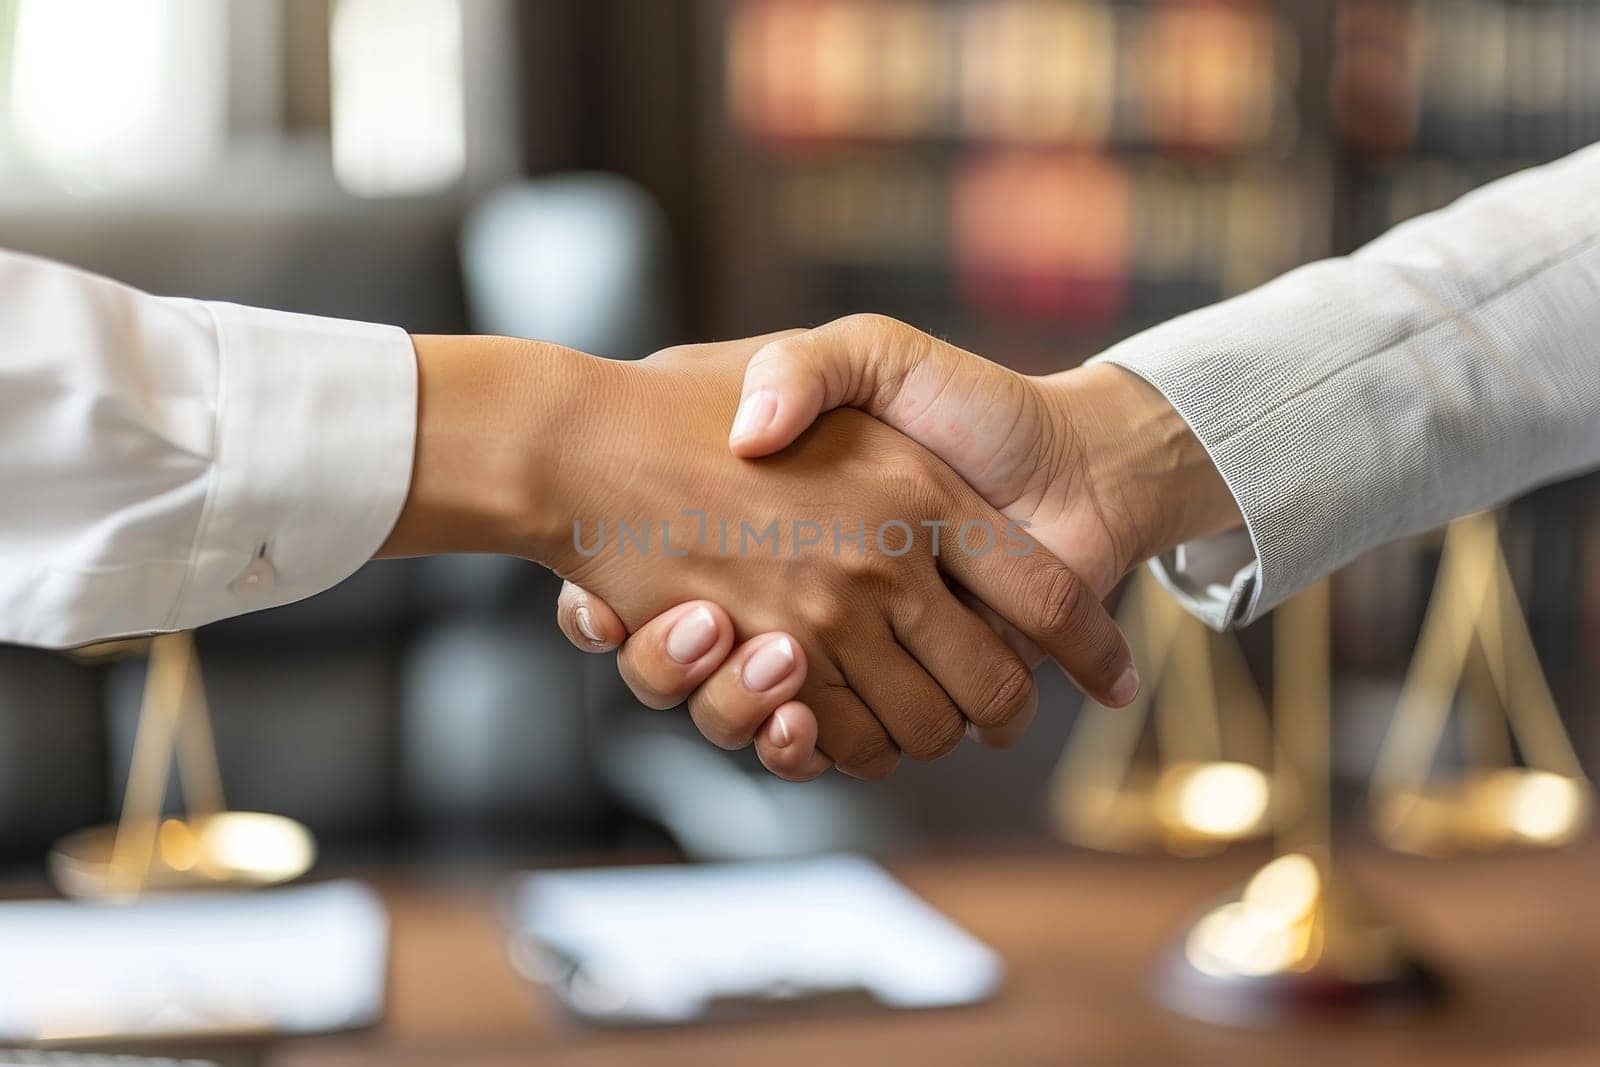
{"x":879,"y":657}
{"x":850,"y":541}
{"x":838,"y":586}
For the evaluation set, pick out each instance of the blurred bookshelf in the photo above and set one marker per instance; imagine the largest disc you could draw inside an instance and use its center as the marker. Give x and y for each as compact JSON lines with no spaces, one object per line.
{"x":1036,"y":178}
{"x":1042,"y":177}
{"x":1436,"y":97}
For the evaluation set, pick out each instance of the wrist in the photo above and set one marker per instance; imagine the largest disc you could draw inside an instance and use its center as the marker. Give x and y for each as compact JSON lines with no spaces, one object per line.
{"x":494,"y":418}
{"x":1142,"y":462}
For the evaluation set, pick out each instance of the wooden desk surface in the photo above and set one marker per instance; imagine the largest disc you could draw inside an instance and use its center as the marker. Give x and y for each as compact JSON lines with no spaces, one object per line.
{"x":1518,"y":936}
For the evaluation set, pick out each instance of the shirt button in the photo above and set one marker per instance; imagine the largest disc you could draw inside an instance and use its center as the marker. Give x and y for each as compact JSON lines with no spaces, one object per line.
{"x":259,"y":577}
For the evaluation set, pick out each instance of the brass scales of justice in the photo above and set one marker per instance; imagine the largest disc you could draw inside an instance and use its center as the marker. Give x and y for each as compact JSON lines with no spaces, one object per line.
{"x":1298,"y":940}
{"x":208,"y":847}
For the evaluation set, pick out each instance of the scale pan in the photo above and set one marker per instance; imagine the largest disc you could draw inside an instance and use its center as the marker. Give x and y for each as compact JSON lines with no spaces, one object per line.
{"x":229,"y":850}
{"x":1486,"y":810}
{"x":1188,"y":809}
{"x":1217,"y":800}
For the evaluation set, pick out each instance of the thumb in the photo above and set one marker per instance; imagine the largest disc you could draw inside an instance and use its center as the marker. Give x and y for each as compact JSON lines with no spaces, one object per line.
{"x":862,"y":361}
{"x":988,"y":423}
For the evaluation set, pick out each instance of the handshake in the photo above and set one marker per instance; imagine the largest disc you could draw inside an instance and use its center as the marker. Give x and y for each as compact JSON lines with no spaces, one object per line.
{"x":837,"y":587}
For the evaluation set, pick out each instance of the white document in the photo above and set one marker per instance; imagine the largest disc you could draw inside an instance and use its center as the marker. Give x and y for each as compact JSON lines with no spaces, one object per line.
{"x":667,"y":944}
{"x":301,"y":960}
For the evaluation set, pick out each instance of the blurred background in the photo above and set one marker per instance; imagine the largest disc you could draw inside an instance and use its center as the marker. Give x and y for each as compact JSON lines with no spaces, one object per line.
{"x":1031,"y":179}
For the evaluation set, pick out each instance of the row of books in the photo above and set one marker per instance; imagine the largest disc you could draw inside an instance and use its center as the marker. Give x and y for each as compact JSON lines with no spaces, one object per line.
{"x":1394,"y":191}
{"x":1055,"y":236}
{"x":1469,"y":78}
{"x":1205,"y":74}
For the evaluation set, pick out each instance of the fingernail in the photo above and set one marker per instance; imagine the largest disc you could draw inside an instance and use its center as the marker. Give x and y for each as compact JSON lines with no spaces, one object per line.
{"x":586,"y":625}
{"x":770,"y":665}
{"x":780,"y":732}
{"x":1127,"y":687}
{"x":692,"y":636}
{"x":755,"y":414}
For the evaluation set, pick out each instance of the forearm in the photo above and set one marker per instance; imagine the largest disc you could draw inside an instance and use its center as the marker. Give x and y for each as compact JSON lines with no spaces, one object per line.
{"x":1447,"y":366}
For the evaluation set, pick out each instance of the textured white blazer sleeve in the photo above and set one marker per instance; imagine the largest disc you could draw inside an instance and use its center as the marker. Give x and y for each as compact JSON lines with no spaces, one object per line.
{"x":166,"y":463}
{"x":1451,"y":364}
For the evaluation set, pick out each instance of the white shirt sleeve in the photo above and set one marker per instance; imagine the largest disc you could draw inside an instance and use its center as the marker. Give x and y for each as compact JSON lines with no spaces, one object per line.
{"x":167,"y":463}
{"x":1451,"y":364}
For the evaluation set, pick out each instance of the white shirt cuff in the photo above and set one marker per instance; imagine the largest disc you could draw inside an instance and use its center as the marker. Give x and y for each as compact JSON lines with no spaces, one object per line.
{"x":316,"y":427}
{"x":1215,"y":580}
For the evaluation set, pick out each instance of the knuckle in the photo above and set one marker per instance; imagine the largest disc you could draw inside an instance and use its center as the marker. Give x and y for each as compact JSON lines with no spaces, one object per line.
{"x":935,"y":736}
{"x":871,"y":570}
{"x":1006,"y":692}
{"x":914,"y":612}
{"x":826,"y":615}
{"x":912,"y":466}
{"x":774,"y":353}
{"x":917,"y":482}
{"x":1059,"y":608}
{"x":870,"y":322}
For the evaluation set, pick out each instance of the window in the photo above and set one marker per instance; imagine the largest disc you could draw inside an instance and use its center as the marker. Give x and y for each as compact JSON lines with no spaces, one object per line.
{"x":104,"y":96}
{"x":399,"y":123}
{"x":111,"y":94}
